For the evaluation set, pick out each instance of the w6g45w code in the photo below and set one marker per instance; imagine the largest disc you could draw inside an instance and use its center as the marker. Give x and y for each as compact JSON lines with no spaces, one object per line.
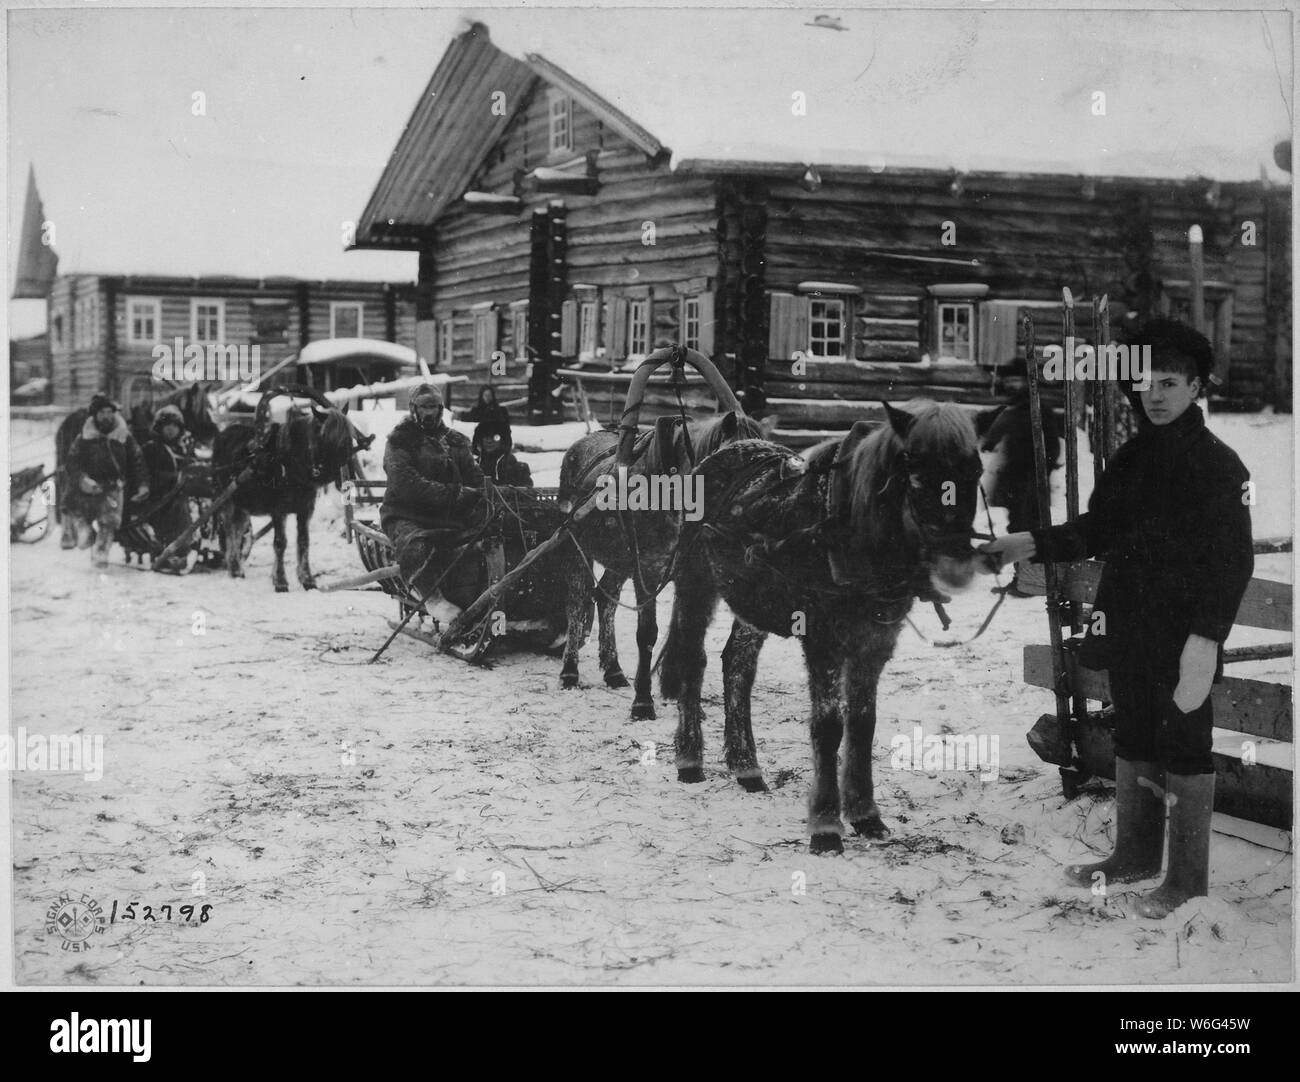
{"x":185,"y":913}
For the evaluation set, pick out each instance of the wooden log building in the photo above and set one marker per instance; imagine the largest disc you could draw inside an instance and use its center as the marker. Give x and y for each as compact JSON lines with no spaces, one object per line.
{"x":103,"y":328}
{"x":556,"y":234}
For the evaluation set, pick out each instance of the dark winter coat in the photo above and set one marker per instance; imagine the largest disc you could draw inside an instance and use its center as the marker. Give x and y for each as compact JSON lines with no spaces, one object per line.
{"x":164,"y":462}
{"x":1170,"y":518}
{"x":1017,"y":481}
{"x":433,"y":481}
{"x":508,"y":470}
{"x":110,"y":460}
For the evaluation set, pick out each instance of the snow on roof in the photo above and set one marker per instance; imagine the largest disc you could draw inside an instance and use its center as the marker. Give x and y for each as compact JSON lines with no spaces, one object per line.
{"x":1186,"y":93}
{"x":328,"y":350}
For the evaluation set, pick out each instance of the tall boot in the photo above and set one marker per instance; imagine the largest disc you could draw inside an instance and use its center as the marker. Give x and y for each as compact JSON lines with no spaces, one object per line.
{"x":103,"y":543}
{"x":1139,"y":828}
{"x":1191,"y":804}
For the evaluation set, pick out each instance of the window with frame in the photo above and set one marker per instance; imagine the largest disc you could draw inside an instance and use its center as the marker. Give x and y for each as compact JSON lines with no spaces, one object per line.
{"x":827,"y":327}
{"x":143,"y":320}
{"x":347,"y":319}
{"x":638,"y":328}
{"x":560,"y":113}
{"x":1176,"y":303}
{"x":690,"y":330}
{"x":519,"y":331}
{"x":955,"y":330}
{"x":207,"y":321}
{"x":587,"y":330}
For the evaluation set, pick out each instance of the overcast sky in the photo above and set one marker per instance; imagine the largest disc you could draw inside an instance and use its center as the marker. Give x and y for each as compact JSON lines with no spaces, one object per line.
{"x":303,"y":107}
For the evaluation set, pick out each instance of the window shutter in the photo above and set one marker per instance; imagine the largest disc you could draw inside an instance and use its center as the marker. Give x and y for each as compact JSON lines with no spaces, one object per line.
{"x":706,"y":324}
{"x":492,"y":319}
{"x":783,"y":331}
{"x":569,"y":329}
{"x":426,"y":341}
{"x":616,"y":313}
{"x":622,"y":306}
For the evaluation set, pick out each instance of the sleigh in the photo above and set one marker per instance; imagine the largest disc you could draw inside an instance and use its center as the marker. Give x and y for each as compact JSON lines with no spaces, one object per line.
{"x":522,"y":520}
{"x":203,"y":543}
{"x":30,"y":502}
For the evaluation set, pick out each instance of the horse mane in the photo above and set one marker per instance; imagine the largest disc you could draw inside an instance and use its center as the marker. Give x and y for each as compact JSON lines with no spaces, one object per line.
{"x":706,"y":436}
{"x":940,"y":430}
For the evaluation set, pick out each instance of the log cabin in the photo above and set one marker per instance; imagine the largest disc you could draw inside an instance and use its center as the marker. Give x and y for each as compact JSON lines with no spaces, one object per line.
{"x":560,"y":240}
{"x":103,"y":328}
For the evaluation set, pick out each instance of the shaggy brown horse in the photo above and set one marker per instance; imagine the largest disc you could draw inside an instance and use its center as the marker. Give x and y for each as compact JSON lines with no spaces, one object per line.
{"x":306,"y":451}
{"x":635,"y":545}
{"x":832,"y":552}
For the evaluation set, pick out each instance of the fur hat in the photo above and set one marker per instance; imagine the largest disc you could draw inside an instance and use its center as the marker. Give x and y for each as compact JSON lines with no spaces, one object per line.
{"x":486,"y":429}
{"x":166,"y":414}
{"x":101,"y":401}
{"x":425,"y":395}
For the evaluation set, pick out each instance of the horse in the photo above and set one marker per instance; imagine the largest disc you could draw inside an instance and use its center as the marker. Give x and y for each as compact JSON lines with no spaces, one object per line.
{"x":289,"y":462}
{"x":635,"y":545}
{"x":833,"y":549}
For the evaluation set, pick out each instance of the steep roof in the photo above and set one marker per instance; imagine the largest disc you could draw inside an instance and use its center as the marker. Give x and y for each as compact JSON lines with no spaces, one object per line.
{"x":1186,"y":94}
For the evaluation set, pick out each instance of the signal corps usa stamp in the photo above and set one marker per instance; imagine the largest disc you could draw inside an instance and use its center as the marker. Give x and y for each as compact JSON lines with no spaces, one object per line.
{"x":76,"y":920}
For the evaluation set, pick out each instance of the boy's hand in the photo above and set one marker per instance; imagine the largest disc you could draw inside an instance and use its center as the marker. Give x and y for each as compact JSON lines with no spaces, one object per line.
{"x":1195,"y":672}
{"x":1010,"y":549}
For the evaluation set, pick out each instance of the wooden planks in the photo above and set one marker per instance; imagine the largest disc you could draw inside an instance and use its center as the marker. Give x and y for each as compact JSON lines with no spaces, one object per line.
{"x":1266,"y":604}
{"x":1257,"y":707}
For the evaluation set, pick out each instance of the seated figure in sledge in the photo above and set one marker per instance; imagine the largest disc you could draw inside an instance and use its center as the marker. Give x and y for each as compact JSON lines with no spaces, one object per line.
{"x":433,"y":505}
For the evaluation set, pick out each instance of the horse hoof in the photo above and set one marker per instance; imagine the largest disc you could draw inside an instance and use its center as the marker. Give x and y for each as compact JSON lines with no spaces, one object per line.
{"x":568,"y":680}
{"x":643,"y":711}
{"x":753,"y":784}
{"x":309,"y":584}
{"x":824,"y":844}
{"x":615,"y":679}
{"x":690,"y":775}
{"x":281,"y":587}
{"x":871,"y":827}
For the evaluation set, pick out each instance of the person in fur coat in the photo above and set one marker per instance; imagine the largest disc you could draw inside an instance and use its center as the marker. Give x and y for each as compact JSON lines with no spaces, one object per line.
{"x":433,"y":503}
{"x":105,"y":465}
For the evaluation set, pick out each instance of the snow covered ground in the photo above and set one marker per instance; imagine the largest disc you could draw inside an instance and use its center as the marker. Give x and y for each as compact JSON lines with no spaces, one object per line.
{"x":418,"y":821}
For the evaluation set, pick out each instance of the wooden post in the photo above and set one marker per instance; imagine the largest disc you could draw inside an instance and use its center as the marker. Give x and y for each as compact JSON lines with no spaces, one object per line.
{"x":1196,"y":254}
{"x":1196,"y":258}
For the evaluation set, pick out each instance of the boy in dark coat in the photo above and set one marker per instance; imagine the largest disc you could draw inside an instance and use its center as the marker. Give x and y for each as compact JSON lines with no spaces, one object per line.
{"x":104,"y":465}
{"x":493,"y":446}
{"x":165,"y":457}
{"x":432,"y":503}
{"x":1171,"y":519}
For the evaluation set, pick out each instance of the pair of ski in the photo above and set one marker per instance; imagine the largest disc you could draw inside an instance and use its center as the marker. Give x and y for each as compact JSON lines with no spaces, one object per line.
{"x":1071,"y":706}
